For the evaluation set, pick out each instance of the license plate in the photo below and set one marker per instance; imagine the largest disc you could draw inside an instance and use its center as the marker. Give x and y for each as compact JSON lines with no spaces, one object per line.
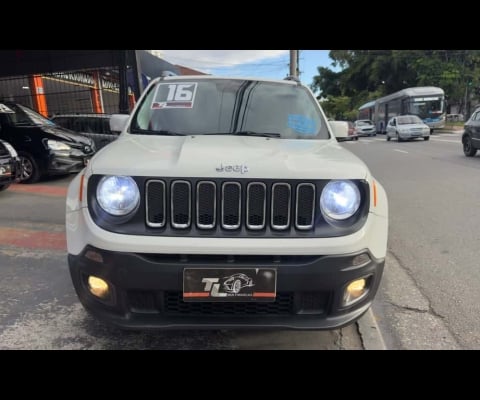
{"x":229,"y":285}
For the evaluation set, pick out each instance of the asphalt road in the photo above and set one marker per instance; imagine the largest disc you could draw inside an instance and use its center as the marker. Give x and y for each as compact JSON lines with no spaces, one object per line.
{"x":429,"y":297}
{"x":40,"y":310}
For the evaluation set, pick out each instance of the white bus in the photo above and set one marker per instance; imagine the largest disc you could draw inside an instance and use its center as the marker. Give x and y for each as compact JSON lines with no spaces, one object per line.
{"x":427,"y":102}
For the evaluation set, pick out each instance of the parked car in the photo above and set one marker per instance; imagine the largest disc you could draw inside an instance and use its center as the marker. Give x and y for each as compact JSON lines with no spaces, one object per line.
{"x":94,"y":126}
{"x":406,"y":127}
{"x":43,"y":147}
{"x":9,"y":165}
{"x":471,"y":134}
{"x":364,"y":127}
{"x":346,"y":132}
{"x":217,"y":176}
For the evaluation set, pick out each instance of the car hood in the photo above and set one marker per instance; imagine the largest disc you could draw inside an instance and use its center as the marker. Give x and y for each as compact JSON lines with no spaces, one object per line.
{"x":66,"y":135}
{"x":207,"y":156}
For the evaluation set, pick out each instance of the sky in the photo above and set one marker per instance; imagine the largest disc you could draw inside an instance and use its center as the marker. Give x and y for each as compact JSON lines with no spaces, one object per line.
{"x":249,"y":63}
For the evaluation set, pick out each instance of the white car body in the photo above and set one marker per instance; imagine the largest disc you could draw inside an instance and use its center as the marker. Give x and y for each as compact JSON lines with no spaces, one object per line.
{"x":405,"y":127}
{"x":209,"y":158}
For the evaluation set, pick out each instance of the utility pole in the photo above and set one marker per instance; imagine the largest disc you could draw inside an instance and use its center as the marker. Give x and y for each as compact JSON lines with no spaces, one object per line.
{"x":293,"y":63}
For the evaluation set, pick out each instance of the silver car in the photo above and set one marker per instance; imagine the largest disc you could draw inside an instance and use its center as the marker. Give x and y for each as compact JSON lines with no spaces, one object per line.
{"x":406,"y":127}
{"x":364,"y":127}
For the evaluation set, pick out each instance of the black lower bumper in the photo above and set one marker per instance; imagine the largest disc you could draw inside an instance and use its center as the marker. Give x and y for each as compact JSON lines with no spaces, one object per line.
{"x":146,"y":290}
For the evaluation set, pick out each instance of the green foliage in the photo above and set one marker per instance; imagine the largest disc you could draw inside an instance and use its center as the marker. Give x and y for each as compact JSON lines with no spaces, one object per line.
{"x":368,"y":74}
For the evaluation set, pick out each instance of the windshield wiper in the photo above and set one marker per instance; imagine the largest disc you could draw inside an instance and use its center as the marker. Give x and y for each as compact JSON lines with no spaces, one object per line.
{"x":260,"y":134}
{"x":160,"y":132}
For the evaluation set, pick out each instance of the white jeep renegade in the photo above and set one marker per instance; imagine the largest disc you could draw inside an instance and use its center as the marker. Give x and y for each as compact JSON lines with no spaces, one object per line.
{"x":226,"y":203}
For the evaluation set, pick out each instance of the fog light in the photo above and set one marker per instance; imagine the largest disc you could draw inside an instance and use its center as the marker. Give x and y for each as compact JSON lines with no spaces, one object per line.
{"x":98,"y":287}
{"x":355,"y":291}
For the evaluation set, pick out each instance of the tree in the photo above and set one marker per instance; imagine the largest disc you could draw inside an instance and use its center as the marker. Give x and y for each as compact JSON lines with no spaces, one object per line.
{"x":368,"y":74}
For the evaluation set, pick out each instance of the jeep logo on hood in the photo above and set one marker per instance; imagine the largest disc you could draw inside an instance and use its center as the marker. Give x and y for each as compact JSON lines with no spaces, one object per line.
{"x":232,"y":168}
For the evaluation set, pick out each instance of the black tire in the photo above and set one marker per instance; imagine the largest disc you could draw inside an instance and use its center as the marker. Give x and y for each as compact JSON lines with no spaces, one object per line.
{"x":30,"y":170}
{"x":388,"y":138}
{"x":426,"y":138}
{"x":468,"y":148}
{"x":4,"y":187}
{"x":356,"y":138}
{"x":399,"y":139}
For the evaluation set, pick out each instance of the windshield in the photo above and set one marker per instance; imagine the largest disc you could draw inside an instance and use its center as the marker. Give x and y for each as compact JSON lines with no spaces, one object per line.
{"x":409,"y":119}
{"x":222,"y":106}
{"x":426,"y":107}
{"x":25,"y":116}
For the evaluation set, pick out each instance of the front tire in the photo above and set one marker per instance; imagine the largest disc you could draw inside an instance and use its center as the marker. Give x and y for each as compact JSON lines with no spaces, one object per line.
{"x":399,"y":139}
{"x":426,"y":138}
{"x":30,"y":170}
{"x":4,"y":187}
{"x":388,"y":137}
{"x":468,"y":148}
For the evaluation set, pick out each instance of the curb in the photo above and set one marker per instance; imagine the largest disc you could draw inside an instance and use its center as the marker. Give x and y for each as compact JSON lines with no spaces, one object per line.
{"x":370,"y":332}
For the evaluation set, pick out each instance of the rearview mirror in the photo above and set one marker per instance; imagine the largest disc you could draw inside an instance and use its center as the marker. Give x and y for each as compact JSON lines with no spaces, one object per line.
{"x":118,"y":122}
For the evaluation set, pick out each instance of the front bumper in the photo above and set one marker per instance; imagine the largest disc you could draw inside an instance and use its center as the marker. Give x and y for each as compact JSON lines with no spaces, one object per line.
{"x":147,"y":290}
{"x":9,"y":170}
{"x":65,"y":164}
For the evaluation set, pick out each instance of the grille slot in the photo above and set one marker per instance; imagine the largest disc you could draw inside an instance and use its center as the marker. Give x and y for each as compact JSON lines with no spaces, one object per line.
{"x":206,"y":204}
{"x":305,"y":206}
{"x":181,"y":203}
{"x":155,"y":204}
{"x":256,"y":205}
{"x":231,"y":205}
{"x":281,"y":199}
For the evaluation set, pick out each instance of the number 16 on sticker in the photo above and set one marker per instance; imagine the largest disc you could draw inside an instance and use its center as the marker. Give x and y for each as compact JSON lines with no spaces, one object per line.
{"x":174,"y":95}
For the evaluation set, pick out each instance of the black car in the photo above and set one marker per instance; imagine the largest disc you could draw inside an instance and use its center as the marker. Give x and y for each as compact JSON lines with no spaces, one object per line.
{"x":94,"y":126}
{"x":9,"y":165}
{"x":43,"y":147}
{"x":471,"y":135}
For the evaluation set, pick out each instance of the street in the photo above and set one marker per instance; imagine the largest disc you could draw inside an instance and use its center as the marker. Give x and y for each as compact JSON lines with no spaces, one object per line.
{"x":428,"y":299}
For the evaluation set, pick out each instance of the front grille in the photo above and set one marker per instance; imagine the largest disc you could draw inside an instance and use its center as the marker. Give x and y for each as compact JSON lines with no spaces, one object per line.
{"x":253,"y":206}
{"x":170,"y":303}
{"x":174,"y":305}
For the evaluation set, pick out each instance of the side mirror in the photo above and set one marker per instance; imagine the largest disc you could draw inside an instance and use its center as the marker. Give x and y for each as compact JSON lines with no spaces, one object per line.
{"x":339,"y":129}
{"x":118,"y":122}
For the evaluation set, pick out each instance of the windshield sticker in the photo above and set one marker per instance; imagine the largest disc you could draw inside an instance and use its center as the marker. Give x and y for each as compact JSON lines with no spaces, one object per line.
{"x":174,"y":95}
{"x":5,"y":109}
{"x":301,"y":124}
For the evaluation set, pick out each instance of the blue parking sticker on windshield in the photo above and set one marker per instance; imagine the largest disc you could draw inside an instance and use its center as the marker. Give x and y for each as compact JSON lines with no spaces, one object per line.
{"x":174,"y":95}
{"x":301,"y":124}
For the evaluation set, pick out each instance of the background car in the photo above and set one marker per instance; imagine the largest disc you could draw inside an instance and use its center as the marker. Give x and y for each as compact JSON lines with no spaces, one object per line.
{"x":350,"y":131}
{"x":406,"y":127}
{"x":471,"y":134}
{"x":364,"y":127}
{"x":9,"y":165}
{"x":94,"y":126}
{"x":43,"y":147}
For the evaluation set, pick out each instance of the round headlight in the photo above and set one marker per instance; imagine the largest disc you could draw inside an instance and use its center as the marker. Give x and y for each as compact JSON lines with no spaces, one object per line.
{"x":339,"y":200}
{"x":118,"y":195}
